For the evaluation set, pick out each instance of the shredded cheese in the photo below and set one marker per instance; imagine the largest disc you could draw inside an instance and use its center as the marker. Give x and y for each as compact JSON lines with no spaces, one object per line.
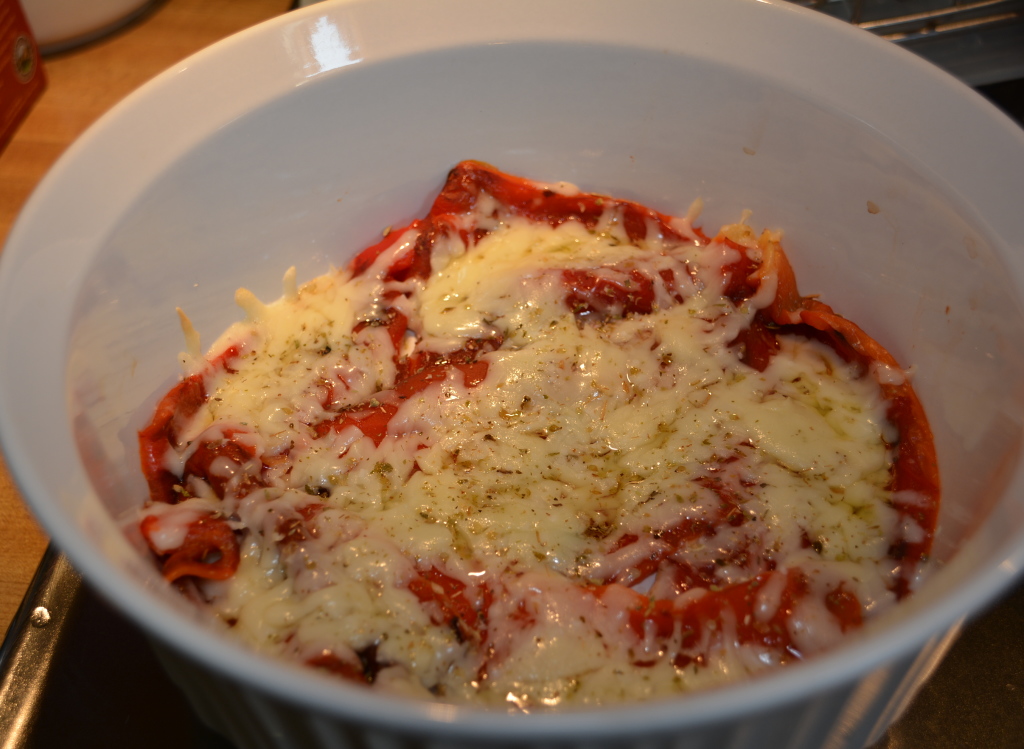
{"x":603,"y":465}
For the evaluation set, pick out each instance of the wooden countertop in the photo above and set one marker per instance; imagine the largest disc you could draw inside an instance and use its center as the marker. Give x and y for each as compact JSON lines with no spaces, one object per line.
{"x":83,"y":84}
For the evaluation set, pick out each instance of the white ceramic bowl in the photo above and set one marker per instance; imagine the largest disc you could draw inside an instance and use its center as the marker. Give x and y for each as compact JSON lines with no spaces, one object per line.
{"x":295,"y":142}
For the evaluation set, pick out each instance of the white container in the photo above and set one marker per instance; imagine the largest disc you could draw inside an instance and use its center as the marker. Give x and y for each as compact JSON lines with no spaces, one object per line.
{"x":60,"y":25}
{"x":298,"y":141}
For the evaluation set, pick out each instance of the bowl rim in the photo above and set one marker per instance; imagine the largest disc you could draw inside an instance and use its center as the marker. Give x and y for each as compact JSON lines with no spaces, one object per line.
{"x":207,"y":70}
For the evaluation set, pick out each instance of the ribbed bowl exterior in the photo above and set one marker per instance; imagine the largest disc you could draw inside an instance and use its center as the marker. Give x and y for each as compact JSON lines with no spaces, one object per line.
{"x":850,"y":716}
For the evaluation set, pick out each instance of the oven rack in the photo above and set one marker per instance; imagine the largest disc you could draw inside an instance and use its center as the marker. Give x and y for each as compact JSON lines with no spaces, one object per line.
{"x":979,"y":41}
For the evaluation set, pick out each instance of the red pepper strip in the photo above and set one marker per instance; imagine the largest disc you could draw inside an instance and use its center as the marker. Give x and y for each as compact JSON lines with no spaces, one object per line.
{"x":845,"y":607}
{"x":415,"y":262}
{"x":328,"y":389}
{"x":372,"y":418}
{"x":362,"y":262}
{"x":604,"y":296}
{"x":330,"y":662}
{"x":223,"y":359}
{"x":473,"y":373}
{"x":396,"y":323}
{"x":161,"y":433}
{"x":758,"y":343}
{"x":459,"y":195}
{"x":737,"y":274}
{"x":525,"y":198}
{"x":685,"y":531}
{"x":915,"y":467}
{"x":412,"y":263}
{"x":664,"y":619}
{"x":668,"y":277}
{"x":449,"y":594}
{"x":468,"y":354}
{"x":424,"y":378}
{"x":296,"y":530}
{"x":916,"y":464}
{"x":210,"y":550}
{"x":157,"y":437}
{"x":239,"y":453}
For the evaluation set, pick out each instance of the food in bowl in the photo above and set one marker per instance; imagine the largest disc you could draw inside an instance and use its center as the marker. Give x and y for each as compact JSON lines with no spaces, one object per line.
{"x":543,"y":448}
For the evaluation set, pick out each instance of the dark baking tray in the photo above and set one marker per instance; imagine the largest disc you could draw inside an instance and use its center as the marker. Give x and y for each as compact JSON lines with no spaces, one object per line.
{"x":83,"y":676}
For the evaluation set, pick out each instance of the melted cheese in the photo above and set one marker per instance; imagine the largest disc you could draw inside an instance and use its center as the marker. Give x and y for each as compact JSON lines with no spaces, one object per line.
{"x":580,"y":434}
